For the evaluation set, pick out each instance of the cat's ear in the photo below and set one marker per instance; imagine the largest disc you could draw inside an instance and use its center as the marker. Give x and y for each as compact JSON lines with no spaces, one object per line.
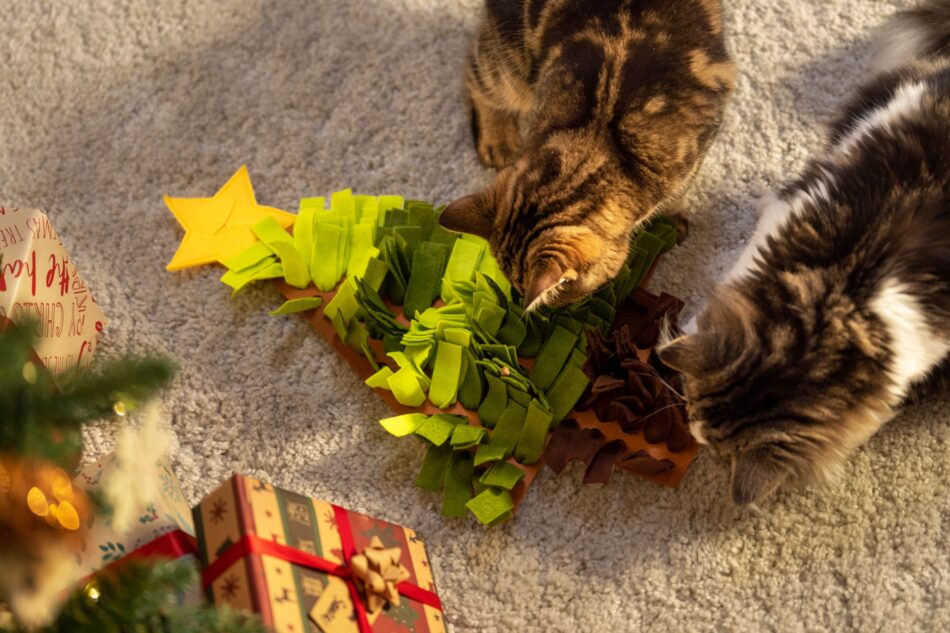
{"x":683,"y":354}
{"x":473,"y":214}
{"x":544,"y":277}
{"x":755,"y":475}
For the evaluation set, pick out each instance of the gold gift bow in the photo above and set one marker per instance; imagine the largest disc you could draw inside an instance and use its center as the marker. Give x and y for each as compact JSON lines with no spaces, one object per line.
{"x":377,"y":571}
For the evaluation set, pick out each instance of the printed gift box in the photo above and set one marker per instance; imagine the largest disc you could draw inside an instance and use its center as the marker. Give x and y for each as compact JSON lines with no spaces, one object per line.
{"x":40,"y":283}
{"x":163,"y":527}
{"x":307,"y":565}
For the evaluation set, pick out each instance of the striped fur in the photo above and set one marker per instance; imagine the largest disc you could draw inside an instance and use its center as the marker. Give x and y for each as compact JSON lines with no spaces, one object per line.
{"x":597,"y":114}
{"x":841,"y":306}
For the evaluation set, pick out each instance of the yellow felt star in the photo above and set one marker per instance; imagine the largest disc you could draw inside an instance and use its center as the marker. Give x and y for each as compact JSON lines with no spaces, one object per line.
{"x":220,"y":227}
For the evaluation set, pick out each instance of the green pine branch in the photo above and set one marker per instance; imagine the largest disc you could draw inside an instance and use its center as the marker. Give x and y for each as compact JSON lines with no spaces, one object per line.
{"x":140,"y":597}
{"x":42,"y":419}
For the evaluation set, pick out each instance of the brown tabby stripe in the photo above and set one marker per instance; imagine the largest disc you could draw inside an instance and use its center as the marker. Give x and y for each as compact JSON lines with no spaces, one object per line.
{"x":597,"y":113}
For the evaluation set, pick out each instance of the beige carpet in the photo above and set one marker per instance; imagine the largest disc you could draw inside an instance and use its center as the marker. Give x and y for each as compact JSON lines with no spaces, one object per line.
{"x":103,"y":110}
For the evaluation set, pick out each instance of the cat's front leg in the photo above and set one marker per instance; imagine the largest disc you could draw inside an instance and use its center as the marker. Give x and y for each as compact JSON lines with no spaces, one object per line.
{"x":495,"y":131}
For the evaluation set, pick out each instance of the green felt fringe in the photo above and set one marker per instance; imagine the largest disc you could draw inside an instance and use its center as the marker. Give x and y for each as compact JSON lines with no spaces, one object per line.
{"x":380,"y":251}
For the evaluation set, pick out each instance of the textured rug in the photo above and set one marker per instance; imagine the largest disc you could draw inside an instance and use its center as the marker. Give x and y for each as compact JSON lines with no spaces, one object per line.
{"x":104,"y":109}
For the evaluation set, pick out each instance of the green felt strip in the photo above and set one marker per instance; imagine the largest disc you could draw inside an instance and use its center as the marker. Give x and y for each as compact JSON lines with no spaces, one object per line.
{"x":513,"y":331}
{"x":446,"y":375}
{"x":465,"y":436}
{"x":472,"y":389}
{"x":253,"y":256}
{"x":269,"y":270}
{"x":463,"y":261}
{"x":569,"y":323}
{"x":553,"y":357}
{"x":486,"y":282}
{"x":538,"y":327}
{"x":504,"y":518}
{"x":343,"y":251}
{"x":489,"y":267}
{"x":298,"y":305}
{"x":435,"y":466}
{"x":505,"y":353}
{"x":378,"y":315}
{"x":438,"y":428}
{"x":456,"y":336}
{"x":375,"y":273}
{"x":357,"y":337}
{"x":508,"y":430}
{"x":406,"y":388}
{"x":566,"y":391}
{"x":403,"y":425}
{"x":326,"y":244}
{"x":396,"y":217}
{"x":458,"y":485}
{"x":424,"y":282}
{"x":598,"y":324}
{"x":315,"y":203}
{"x":343,"y":303}
{"x":303,"y":235}
{"x":271,"y":232}
{"x":443,"y":236}
{"x":295,"y":273}
{"x":343,"y":203}
{"x":490,"y":318}
{"x":364,"y":205}
{"x":362,"y":249}
{"x":418,"y":353}
{"x":408,"y":238}
{"x":602,"y":309}
{"x":491,"y":505}
{"x":502,"y":475}
{"x":391,"y":343}
{"x":380,"y":379}
{"x":521,"y":397}
{"x":421,"y":214}
{"x":339,"y":325}
{"x":495,"y":401}
{"x":537,"y":422}
{"x":487,"y":453}
{"x":389,"y":202}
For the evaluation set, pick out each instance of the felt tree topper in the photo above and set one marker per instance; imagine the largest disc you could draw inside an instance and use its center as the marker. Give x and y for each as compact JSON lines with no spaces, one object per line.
{"x":219,"y":227}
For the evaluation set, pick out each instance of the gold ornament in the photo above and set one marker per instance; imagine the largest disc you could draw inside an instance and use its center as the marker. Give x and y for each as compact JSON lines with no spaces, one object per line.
{"x":39,"y":505}
{"x":120,"y":409}
{"x":91,"y":592}
{"x":30,"y":374}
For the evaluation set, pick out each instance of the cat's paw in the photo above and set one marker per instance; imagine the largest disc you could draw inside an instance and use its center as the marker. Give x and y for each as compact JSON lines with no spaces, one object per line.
{"x":682,"y":226}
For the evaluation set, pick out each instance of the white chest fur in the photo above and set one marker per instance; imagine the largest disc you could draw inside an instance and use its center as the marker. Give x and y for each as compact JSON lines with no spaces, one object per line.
{"x":916,"y":348}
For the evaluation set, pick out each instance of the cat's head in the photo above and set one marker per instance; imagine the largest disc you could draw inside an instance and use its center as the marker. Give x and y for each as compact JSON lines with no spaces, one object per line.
{"x":549,"y":242}
{"x":780,"y":388}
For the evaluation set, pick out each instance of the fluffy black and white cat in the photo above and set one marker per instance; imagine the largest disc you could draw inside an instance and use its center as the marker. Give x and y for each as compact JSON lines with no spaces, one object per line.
{"x":840,"y":306}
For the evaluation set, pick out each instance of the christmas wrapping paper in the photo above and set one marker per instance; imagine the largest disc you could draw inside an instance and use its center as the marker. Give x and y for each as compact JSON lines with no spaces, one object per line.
{"x":40,"y":283}
{"x":255,"y":542}
{"x":159,"y":530}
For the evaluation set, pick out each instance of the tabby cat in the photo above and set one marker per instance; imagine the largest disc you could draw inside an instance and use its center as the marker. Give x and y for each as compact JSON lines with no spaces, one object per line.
{"x":597,"y":114}
{"x":840,"y":306}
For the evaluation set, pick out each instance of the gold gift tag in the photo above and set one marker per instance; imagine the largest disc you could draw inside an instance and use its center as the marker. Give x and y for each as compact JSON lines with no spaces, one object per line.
{"x":333,"y":612}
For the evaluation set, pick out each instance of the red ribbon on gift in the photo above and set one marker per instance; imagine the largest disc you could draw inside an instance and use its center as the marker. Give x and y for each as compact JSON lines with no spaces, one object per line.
{"x":172,"y":545}
{"x":250,"y":544}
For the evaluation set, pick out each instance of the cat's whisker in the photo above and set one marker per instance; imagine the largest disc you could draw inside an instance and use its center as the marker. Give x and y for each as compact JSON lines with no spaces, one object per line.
{"x":662,"y":381}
